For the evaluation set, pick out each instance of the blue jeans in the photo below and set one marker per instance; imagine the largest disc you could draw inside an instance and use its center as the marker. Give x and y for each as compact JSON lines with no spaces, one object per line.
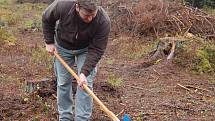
{"x":83,"y":102}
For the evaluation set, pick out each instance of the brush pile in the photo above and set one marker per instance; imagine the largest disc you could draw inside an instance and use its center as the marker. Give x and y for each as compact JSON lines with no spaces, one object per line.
{"x":158,"y":18}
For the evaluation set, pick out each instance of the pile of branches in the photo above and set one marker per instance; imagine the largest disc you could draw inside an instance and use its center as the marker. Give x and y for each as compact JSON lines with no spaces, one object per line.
{"x":158,"y":18}
{"x":35,"y":1}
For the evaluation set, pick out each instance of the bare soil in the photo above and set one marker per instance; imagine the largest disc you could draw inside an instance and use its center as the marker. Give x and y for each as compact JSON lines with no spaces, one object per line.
{"x":150,"y":92}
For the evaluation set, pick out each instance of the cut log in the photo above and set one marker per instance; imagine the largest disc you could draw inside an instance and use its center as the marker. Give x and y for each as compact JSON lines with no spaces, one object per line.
{"x":167,"y":47}
{"x":32,"y":85}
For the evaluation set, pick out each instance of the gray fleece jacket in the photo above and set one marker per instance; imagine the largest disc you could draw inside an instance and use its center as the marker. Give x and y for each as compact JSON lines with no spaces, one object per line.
{"x":73,"y":34}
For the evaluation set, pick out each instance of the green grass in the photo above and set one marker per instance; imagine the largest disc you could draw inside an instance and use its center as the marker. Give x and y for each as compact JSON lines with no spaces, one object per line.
{"x":114,"y":80}
{"x":110,"y":61}
{"x":6,"y":2}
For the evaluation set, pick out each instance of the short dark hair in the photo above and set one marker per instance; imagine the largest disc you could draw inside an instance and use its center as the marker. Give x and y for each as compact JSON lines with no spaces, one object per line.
{"x":89,"y":5}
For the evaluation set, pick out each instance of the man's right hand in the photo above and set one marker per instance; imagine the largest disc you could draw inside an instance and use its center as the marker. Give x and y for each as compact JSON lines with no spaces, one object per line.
{"x":50,"y":48}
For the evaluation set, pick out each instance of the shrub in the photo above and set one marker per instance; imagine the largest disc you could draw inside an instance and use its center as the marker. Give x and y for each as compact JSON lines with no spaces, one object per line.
{"x":206,"y":60}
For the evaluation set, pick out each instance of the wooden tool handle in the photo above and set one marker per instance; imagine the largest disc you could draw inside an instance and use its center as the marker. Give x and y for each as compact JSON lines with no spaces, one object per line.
{"x":90,"y":92}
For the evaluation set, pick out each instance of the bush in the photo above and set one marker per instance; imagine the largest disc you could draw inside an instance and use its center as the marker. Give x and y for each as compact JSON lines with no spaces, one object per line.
{"x":206,"y":60}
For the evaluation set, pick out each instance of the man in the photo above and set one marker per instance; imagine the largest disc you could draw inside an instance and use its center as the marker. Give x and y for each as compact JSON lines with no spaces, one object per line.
{"x":82,"y":33}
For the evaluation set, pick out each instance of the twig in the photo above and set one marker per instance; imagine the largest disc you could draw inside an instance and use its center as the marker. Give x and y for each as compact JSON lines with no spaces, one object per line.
{"x":211,"y":25}
{"x":135,"y":87}
{"x":178,"y":20}
{"x":120,"y":113}
{"x":156,"y":71}
{"x":184,"y":87}
{"x":54,"y":96}
{"x":158,"y":113}
{"x":197,"y":88}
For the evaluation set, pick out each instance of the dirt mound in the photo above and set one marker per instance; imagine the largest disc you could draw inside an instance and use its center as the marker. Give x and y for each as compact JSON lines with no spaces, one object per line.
{"x":159,"y":18}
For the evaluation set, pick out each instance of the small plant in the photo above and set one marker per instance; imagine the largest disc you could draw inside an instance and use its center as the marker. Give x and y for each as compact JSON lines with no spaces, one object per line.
{"x":114,"y":81}
{"x":44,"y":104}
{"x":139,"y":118}
{"x":34,"y":24}
{"x":36,"y":118}
{"x":5,"y":2}
{"x":109,"y":61}
{"x":46,"y":108}
{"x":6,"y":38}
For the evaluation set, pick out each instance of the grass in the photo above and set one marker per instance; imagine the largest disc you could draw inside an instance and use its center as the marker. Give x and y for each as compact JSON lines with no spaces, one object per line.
{"x":6,"y":37}
{"x":134,"y":49}
{"x":6,"y":2}
{"x":40,"y":57}
{"x":12,"y":14}
{"x":9,"y":17}
{"x":110,"y":61}
{"x":34,"y":24}
{"x":114,"y":80}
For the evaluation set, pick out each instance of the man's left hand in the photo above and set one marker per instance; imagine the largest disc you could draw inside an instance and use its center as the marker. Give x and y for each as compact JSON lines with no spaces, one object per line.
{"x":83,"y":80}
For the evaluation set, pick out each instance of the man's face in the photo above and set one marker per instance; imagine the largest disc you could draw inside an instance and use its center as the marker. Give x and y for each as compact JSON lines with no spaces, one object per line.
{"x":86,"y":16}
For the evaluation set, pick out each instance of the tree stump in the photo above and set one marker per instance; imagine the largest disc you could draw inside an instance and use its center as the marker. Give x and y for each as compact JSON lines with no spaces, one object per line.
{"x":32,"y":85}
{"x":167,"y":46}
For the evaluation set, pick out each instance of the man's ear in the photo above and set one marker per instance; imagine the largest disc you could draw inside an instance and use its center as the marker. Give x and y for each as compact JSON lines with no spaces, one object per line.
{"x":77,"y":7}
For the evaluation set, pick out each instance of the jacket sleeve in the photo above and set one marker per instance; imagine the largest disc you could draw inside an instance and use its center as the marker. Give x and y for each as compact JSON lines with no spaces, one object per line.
{"x":96,"y":48}
{"x":49,"y":18}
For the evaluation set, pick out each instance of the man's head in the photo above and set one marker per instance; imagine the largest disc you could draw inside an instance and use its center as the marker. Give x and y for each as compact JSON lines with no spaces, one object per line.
{"x":87,"y":9}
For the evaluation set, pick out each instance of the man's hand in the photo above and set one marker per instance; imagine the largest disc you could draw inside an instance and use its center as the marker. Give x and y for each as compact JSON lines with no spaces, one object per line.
{"x":83,"y":80}
{"x":50,"y":48}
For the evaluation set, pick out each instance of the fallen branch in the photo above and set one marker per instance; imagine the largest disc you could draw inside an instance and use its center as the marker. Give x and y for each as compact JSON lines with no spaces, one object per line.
{"x":156,"y":71}
{"x":189,"y":86}
{"x":120,"y":113}
{"x":184,"y":87}
{"x":54,"y":96}
{"x":135,"y":87}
